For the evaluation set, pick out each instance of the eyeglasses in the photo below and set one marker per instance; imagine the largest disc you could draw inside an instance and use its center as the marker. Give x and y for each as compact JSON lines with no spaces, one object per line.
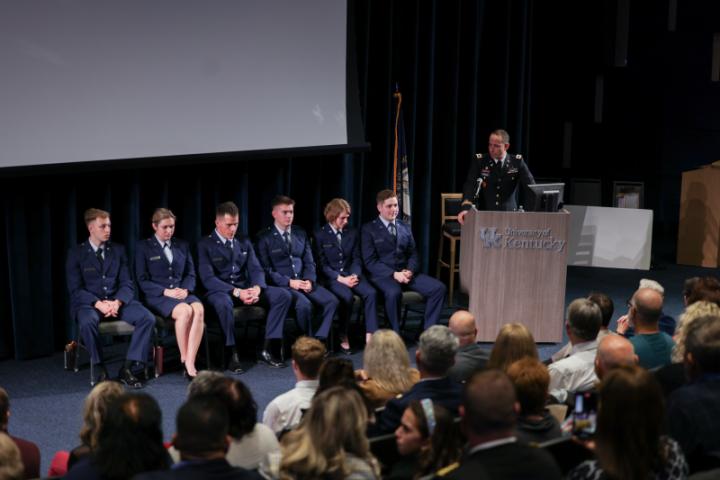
{"x":629,"y":303}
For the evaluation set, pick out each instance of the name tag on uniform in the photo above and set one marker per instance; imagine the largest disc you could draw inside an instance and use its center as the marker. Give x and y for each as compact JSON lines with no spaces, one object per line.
{"x":512,"y":170}
{"x":152,"y":259}
{"x":379,"y":240}
{"x":217,"y":259}
{"x":89,"y":269}
{"x":243,"y":252}
{"x":277,"y":250}
{"x":327,"y":245}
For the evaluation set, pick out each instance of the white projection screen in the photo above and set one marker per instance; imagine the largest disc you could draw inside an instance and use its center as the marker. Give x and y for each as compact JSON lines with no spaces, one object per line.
{"x":89,"y":80}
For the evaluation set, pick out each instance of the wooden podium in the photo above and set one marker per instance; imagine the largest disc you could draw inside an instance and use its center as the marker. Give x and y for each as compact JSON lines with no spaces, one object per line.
{"x":513,"y":265}
{"x":698,"y":242}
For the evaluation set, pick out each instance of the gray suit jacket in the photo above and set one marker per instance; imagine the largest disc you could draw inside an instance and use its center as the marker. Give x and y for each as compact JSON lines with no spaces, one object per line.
{"x":468,"y":359}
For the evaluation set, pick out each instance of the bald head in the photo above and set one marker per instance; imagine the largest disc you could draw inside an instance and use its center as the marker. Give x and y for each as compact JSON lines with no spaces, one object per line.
{"x":647,"y":304}
{"x":614,"y":351}
{"x":462,"y":325}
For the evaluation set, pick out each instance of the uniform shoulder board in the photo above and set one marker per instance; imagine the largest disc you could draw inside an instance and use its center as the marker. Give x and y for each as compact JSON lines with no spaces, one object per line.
{"x":478,"y":155}
{"x":447,"y":470}
{"x":518,"y":156}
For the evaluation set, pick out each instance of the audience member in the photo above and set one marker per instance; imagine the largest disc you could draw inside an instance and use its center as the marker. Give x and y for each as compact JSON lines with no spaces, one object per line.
{"x":386,"y":369}
{"x":286,"y":410}
{"x":428,"y":440}
{"x":653,"y":347}
{"x":701,"y":289}
{"x":434,"y":357}
{"x":202,"y":437}
{"x":329,"y":443}
{"x":630,"y":398}
{"x":336,"y":372}
{"x":488,"y":416}
{"x":470,"y":356}
{"x":29,"y":452}
{"x":694,"y":410}
{"x":11,"y":465}
{"x":250,"y":441}
{"x":614,"y":351}
{"x":535,"y":423}
{"x":130,"y":442}
{"x":607,"y":307}
{"x":514,"y":341}
{"x":576,"y":373}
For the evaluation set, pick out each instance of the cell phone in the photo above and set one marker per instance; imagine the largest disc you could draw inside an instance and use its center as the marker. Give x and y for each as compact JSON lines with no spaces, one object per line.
{"x":585,"y":414}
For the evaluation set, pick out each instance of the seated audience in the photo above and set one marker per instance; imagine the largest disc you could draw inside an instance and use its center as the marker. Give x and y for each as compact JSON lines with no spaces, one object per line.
{"x":607,"y":307}
{"x":428,"y":440}
{"x":286,"y":410}
{"x":250,"y":441}
{"x":514,"y":341}
{"x":386,"y":369}
{"x":202,"y":437}
{"x":488,"y":415}
{"x":652,"y":346}
{"x":576,"y":373}
{"x":434,"y":357}
{"x":693,"y":414}
{"x":666,"y":323}
{"x":11,"y":465}
{"x":130,"y":442}
{"x":336,"y":372}
{"x":614,"y":351}
{"x":470,"y":356}
{"x":701,"y":289}
{"x":29,"y":452}
{"x":535,"y":423}
{"x":630,"y":397}
{"x":329,"y":443}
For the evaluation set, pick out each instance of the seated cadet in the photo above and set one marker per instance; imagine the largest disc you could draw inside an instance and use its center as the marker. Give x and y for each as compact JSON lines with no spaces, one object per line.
{"x":232,"y":275}
{"x":285,"y":253}
{"x":165,"y":272}
{"x":390,"y":257}
{"x":100,"y":289}
{"x":338,"y":255}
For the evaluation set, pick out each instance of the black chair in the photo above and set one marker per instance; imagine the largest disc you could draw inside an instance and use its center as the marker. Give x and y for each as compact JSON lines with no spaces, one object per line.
{"x":246,"y":317}
{"x":164,"y":329}
{"x":449,"y":229}
{"x":114,"y":328}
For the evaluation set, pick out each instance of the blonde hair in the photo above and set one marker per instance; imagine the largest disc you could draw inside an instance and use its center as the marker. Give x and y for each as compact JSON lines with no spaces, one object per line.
{"x":513,"y":342}
{"x":692,"y":312}
{"x":161,"y":214}
{"x":92,"y":213}
{"x":387,"y":361}
{"x":11,"y":466}
{"x":95,"y":409}
{"x":335,"y":207}
{"x":332,"y":428}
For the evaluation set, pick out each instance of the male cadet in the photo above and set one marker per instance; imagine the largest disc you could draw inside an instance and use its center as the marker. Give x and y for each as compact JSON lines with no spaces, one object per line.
{"x":390,"y":257}
{"x":285,"y":253}
{"x":492,"y":181}
{"x":101,"y":288}
{"x":232,"y":275}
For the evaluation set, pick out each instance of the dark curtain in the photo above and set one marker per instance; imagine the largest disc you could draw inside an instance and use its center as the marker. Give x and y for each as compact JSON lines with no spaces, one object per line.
{"x":464,"y":69}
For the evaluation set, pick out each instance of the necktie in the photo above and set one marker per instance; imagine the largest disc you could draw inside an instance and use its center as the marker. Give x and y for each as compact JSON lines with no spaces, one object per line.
{"x":339,"y":237}
{"x":286,"y":237}
{"x":99,"y":253}
{"x":168,"y":252}
{"x":392,"y":229}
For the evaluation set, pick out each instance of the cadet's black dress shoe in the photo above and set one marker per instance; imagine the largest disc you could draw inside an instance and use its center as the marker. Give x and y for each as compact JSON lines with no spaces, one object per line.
{"x":267,"y":357}
{"x":126,"y":377}
{"x":103,"y":375}
{"x":234,"y":364}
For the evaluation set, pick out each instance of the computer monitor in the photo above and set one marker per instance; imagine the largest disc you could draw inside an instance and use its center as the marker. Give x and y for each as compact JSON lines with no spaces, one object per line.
{"x":545,"y":197}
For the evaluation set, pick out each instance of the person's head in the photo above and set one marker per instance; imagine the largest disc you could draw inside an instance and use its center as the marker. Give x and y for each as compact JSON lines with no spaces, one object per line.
{"x":607,"y":307}
{"x":462,"y":325}
{"x":702,"y":289}
{"x":513,"y":342}
{"x":498,"y":144}
{"x":436,"y":351}
{"x":234,"y":395}
{"x":702,"y":347}
{"x":307,"y":357}
{"x":11,"y":466}
{"x":4,"y":410}
{"x":629,"y":396}
{"x":337,"y":213}
{"x":652,"y":285}
{"x":614,"y":351}
{"x":387,"y":361}
{"x":203,"y":382}
{"x":95,"y":410}
{"x":227,"y":218}
{"x":421,"y":422}
{"x":283,"y":211}
{"x":583,"y":320}
{"x":335,"y":372}
{"x":489,"y":407}
{"x":387,"y":205}
{"x":133,"y":426}
{"x":201,"y":430}
{"x":163,"y":223}
{"x":692,"y":312}
{"x":531,"y":380}
{"x":98,"y":225}
{"x":645,"y":308}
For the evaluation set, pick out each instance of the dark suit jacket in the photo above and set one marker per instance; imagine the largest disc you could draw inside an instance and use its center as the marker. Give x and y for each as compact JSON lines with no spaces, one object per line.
{"x":89,"y":282}
{"x":216,"y":262}
{"x":511,"y":461}
{"x":335,"y":260}
{"x":468,"y":359}
{"x":212,"y":469}
{"x":382,"y":254}
{"x":153,"y":271}
{"x":499,"y":184}
{"x":280,"y":264}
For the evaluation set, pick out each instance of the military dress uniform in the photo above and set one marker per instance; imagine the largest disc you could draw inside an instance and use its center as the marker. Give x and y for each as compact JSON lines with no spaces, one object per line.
{"x":492,"y":186}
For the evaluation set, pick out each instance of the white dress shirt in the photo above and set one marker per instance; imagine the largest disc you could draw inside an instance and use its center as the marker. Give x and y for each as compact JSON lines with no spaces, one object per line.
{"x":575,"y":373}
{"x":286,"y":410}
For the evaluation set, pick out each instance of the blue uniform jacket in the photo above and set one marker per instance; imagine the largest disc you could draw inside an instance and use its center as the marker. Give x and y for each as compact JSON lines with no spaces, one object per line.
{"x":153,"y":271}
{"x":88,"y":281}
{"x":382,"y":254}
{"x":282,"y":265}
{"x":335,"y":260}
{"x":222,"y":270}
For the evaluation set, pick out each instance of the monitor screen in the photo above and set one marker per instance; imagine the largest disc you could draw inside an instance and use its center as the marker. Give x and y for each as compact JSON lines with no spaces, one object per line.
{"x":545,"y":197}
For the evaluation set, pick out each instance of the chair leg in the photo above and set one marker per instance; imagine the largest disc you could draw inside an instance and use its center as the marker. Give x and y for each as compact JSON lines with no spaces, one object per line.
{"x":439,"y":257}
{"x":206,"y":341}
{"x":451,"y":284}
{"x":92,"y":374}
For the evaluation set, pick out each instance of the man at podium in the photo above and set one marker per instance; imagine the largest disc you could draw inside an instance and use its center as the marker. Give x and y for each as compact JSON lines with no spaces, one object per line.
{"x":493,"y":178}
